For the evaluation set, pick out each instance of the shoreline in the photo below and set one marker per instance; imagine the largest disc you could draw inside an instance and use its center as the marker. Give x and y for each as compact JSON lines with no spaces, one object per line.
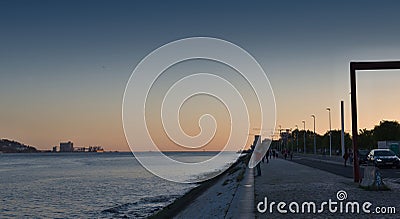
{"x":181,"y":203}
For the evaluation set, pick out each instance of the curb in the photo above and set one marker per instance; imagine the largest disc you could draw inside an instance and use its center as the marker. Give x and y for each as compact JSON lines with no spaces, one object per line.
{"x":242,"y":205}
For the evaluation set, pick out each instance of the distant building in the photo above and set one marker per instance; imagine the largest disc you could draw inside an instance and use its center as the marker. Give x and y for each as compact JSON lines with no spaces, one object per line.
{"x":79,"y":149}
{"x":392,"y":145}
{"x":96,"y":149}
{"x":54,"y":149}
{"x":66,"y":146}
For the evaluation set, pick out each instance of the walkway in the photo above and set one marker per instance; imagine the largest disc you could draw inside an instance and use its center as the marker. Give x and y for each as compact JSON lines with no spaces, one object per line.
{"x":286,"y":181}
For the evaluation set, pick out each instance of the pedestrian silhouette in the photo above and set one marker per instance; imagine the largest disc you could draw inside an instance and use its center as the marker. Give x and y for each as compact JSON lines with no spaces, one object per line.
{"x":267,"y":155}
{"x":345,"y":156}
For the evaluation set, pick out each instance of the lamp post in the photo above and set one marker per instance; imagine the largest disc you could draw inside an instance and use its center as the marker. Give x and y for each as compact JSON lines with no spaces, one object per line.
{"x":297,"y":138}
{"x":330,"y":132}
{"x":280,"y":138}
{"x":304,"y":123}
{"x":291,"y":140}
{"x":315,"y":140}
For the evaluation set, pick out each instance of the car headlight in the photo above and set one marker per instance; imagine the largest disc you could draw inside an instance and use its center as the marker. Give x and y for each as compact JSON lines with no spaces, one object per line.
{"x":379,"y":160}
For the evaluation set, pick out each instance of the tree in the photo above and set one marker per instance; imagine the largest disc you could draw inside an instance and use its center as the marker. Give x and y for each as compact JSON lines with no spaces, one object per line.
{"x":366,"y":139}
{"x":387,"y":131}
{"x":336,"y":140}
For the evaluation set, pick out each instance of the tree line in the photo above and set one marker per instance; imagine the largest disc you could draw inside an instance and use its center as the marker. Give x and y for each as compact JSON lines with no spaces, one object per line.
{"x":367,"y":138}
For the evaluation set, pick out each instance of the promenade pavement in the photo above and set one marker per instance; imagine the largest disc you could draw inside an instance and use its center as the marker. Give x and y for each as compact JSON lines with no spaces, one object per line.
{"x":286,"y":181}
{"x":227,"y":198}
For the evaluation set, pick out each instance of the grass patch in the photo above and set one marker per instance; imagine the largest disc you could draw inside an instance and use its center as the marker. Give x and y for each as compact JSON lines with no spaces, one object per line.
{"x":233,"y":170}
{"x":246,"y":159}
{"x":226,"y":182}
{"x":240,"y":176}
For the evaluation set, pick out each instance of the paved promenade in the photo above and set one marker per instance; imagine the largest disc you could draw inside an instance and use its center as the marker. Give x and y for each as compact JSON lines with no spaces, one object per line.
{"x":286,"y":181}
{"x":227,"y":198}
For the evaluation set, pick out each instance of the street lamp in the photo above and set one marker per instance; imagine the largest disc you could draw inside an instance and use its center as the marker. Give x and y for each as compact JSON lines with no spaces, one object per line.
{"x":280,"y":138}
{"x":291,"y":140}
{"x":330,"y":132}
{"x":315,"y":140}
{"x":297,"y":137}
{"x":304,"y":123}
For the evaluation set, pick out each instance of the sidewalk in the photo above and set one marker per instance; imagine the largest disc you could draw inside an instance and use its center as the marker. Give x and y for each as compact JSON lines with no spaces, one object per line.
{"x":227,"y":198}
{"x":285,"y":181}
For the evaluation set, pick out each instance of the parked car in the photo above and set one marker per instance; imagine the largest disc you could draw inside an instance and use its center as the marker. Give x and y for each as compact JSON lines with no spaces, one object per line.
{"x":383,"y":158}
{"x":363,"y":156}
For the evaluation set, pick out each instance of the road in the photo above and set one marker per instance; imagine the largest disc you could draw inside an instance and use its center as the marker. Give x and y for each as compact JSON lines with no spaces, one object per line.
{"x":339,"y":169}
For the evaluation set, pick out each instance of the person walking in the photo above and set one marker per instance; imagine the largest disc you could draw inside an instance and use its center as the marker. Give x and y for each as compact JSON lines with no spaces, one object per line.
{"x":267,"y":155}
{"x":345,"y":156}
{"x":351,"y":157}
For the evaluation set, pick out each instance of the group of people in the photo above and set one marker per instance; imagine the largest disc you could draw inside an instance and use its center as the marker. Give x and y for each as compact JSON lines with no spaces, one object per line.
{"x":286,"y":153}
{"x":273,"y":153}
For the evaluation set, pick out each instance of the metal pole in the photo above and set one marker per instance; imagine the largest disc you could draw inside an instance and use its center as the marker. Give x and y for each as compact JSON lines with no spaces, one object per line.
{"x":356,"y":168}
{"x":297,"y":137}
{"x":330,"y":133}
{"x":291,"y":140}
{"x":280,"y":138}
{"x":342,"y":135}
{"x":304,"y":123}
{"x":315,"y":142}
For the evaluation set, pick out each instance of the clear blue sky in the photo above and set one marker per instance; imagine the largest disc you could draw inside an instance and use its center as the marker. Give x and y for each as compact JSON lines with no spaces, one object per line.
{"x":64,"y":64}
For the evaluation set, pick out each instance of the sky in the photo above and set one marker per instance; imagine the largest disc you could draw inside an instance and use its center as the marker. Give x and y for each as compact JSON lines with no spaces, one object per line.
{"x":64,"y":65}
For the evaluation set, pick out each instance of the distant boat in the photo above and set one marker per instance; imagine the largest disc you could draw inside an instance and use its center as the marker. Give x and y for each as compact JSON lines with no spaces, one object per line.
{"x":100,"y":150}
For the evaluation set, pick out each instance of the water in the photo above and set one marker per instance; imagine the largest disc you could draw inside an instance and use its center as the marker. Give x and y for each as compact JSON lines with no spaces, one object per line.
{"x":83,"y":185}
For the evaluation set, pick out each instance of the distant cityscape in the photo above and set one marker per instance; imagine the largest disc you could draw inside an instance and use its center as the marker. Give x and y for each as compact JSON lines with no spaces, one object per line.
{"x":11,"y":146}
{"x":69,"y":147}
